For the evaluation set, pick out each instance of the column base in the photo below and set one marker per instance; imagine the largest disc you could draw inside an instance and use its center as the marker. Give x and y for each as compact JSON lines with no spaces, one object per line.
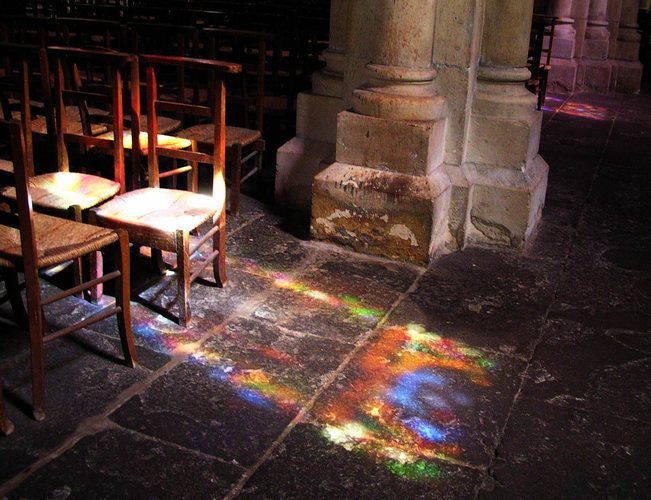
{"x":594,"y":76}
{"x":505,"y":206}
{"x":407,"y":147}
{"x":562,"y":76}
{"x":626,"y":76}
{"x":316,"y":116}
{"x":298,"y":161}
{"x":382,"y":213}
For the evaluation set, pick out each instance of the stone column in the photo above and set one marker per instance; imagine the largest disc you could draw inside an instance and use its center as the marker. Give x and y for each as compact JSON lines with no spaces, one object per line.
{"x":596,"y":35}
{"x":562,"y":77}
{"x":508,"y":178}
{"x":613,"y":15}
{"x":313,"y":148}
{"x":594,"y":69}
{"x":386,"y":194}
{"x":627,"y":67}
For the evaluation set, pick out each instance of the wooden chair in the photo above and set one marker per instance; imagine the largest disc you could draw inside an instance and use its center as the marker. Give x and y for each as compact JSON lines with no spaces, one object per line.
{"x":540,"y":52}
{"x":163,"y":218}
{"x":64,"y":191}
{"x":244,"y":143}
{"x":19,"y":62}
{"x":6,"y":426}
{"x":30,"y":242}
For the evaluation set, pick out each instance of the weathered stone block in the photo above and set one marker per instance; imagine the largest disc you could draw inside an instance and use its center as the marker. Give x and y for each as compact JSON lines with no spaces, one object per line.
{"x":562,"y":76}
{"x":382,"y":213}
{"x":316,"y":116}
{"x":627,"y":77}
{"x":594,"y":75}
{"x":297,"y":162}
{"x":563,"y":48}
{"x":505,"y":142}
{"x":408,"y":147}
{"x":595,"y":49}
{"x":505,"y":208}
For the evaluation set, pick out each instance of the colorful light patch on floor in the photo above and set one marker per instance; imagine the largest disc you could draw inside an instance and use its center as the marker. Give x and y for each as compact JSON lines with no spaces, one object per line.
{"x":583,"y":110}
{"x":401,"y":408}
{"x":352,"y":305}
{"x":163,"y":336}
{"x":255,"y":386}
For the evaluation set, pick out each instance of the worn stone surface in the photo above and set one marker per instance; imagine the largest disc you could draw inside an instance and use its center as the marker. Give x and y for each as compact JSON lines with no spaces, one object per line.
{"x":414,"y":147}
{"x":562,"y":452}
{"x":393,"y":215}
{"x":334,"y":472}
{"x":121,"y":464}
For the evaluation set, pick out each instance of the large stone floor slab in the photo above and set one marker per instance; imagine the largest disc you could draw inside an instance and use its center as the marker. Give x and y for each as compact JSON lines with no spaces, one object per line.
{"x":318,"y":373}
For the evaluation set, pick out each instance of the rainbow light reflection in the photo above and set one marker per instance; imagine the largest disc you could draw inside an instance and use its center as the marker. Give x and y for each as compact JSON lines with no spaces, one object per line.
{"x":352,"y":305}
{"x":401,"y":410}
{"x":582,"y":110}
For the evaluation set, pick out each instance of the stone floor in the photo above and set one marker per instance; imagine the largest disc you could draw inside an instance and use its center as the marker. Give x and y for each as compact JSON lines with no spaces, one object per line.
{"x":321,"y":374}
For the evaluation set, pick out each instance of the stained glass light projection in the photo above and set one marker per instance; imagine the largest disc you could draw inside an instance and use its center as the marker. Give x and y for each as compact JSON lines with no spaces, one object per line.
{"x":401,"y":407}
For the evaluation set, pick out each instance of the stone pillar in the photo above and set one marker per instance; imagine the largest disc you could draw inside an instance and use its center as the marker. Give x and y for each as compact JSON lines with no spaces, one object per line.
{"x":596,"y":35}
{"x":627,"y":68}
{"x":562,"y":77}
{"x":613,"y":15}
{"x":594,"y":68}
{"x":580,"y":13}
{"x":313,"y":148}
{"x":386,"y":194}
{"x":508,"y":178}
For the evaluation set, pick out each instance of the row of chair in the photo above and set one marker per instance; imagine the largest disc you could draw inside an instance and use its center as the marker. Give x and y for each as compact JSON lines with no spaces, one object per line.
{"x":246,"y":96}
{"x":93,"y":184}
{"x":299,"y":33}
{"x":120,"y":211}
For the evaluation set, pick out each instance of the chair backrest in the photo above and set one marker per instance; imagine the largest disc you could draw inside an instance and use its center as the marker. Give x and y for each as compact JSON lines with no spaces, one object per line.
{"x":214,"y":111}
{"x":107,"y":93}
{"x":249,"y":48}
{"x":18,"y":84}
{"x":23,"y":219}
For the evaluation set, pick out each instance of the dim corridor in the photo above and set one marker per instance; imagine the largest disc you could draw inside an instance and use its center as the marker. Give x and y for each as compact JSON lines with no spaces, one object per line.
{"x":318,"y":373}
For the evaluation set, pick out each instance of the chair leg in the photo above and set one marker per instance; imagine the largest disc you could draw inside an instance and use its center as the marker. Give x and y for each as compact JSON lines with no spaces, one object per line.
{"x":157,"y":260}
{"x":183,"y":276}
{"x":15,"y":298}
{"x":6,"y":427}
{"x":96,"y":293}
{"x":77,"y":268}
{"x":219,"y":244}
{"x":122,"y":298}
{"x":36,"y":326}
{"x":236,"y":175}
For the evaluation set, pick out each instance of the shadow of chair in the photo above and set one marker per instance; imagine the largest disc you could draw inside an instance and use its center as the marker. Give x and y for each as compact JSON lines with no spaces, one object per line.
{"x":31,"y":242}
{"x":162,"y":218}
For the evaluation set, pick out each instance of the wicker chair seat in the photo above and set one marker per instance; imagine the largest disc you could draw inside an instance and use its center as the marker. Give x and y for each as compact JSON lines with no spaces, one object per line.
{"x":156,"y":214}
{"x":73,"y":121}
{"x":62,"y":190}
{"x":234,"y":135}
{"x":163,"y":140}
{"x":6,"y":166}
{"x":52,"y":249}
{"x":165,"y":124}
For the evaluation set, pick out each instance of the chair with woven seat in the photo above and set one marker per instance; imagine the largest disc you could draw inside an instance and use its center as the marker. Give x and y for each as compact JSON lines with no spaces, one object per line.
{"x":64,"y":191}
{"x":31,"y":242}
{"x":20,"y":62}
{"x":244,"y":143}
{"x":163,"y":218}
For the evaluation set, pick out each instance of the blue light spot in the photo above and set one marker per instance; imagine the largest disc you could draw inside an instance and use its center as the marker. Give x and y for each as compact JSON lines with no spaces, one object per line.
{"x":254,"y":397}
{"x":425,"y":430}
